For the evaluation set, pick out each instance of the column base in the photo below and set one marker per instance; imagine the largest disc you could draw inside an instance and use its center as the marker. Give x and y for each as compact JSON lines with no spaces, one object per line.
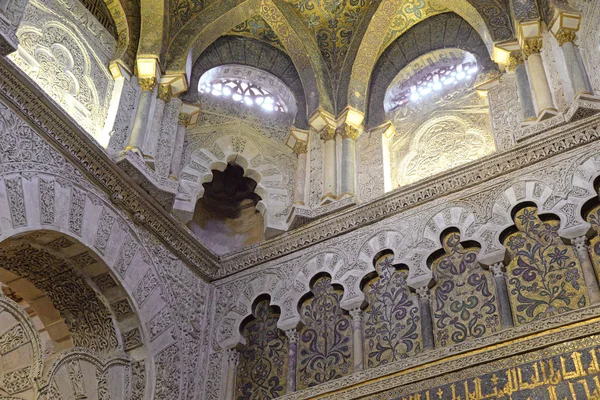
{"x":546,"y":113}
{"x":135,"y":150}
{"x":328,"y":198}
{"x":347,"y":194}
{"x":584,"y":105}
{"x":173,"y":177}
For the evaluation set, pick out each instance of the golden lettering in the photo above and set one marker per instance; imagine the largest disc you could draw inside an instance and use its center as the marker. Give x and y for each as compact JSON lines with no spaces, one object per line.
{"x":578,"y":372}
{"x":593,"y":369}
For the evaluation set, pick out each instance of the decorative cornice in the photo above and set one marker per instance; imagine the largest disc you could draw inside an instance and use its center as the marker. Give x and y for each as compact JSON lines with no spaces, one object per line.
{"x":565,"y":35}
{"x":19,"y":93}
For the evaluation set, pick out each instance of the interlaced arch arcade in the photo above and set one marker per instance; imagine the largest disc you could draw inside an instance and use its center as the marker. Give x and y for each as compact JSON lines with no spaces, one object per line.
{"x":338,"y":199}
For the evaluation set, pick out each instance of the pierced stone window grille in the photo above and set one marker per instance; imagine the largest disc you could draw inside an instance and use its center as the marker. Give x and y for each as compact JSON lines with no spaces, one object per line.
{"x":244,"y":92}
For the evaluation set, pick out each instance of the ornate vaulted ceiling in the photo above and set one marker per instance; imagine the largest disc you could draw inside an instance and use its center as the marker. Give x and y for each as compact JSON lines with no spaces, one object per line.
{"x":334,"y":44}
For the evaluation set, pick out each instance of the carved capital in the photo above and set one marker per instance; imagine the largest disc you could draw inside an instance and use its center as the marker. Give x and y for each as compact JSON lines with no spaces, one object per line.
{"x":147,"y":84}
{"x":423,"y":293}
{"x":300,"y":148}
{"x":580,"y":244}
{"x":531,"y":46}
{"x":515,"y":59}
{"x":183,"y":120}
{"x":356,"y":315}
{"x":164,"y":93}
{"x":327,"y":133}
{"x":348,"y":132}
{"x":565,"y":35}
{"x":292,"y":335}
{"x":233,"y":356}
{"x":497,"y":270}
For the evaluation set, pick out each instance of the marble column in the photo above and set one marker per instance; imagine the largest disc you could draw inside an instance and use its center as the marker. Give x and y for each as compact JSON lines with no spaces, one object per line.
{"x":300,"y":149}
{"x":357,"y":318}
{"x":292,"y":336}
{"x":537,"y":76}
{"x":349,"y":135}
{"x":426,"y":320}
{"x":517,"y":64}
{"x":566,"y":39}
{"x":163,"y":96}
{"x":142,"y":115}
{"x":589,"y":275}
{"x":329,"y":164}
{"x":499,"y":276}
{"x":182,"y":123}
{"x":233,"y":356}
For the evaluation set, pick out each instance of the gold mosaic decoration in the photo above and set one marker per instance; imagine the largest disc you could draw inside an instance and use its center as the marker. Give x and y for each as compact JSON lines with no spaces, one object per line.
{"x":593,"y":218}
{"x":464,"y":297}
{"x":544,"y":276}
{"x":257,"y":28}
{"x":333,"y":24}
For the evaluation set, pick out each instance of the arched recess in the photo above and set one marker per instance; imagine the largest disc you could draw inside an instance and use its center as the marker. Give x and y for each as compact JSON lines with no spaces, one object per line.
{"x":40,"y":190}
{"x":269,"y":169}
{"x":491,"y":19}
{"x":253,"y":53}
{"x":219,"y":18}
{"x":437,"y":32}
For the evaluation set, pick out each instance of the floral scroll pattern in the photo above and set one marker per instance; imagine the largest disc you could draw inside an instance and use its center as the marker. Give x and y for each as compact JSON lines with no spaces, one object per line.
{"x":262,"y":366}
{"x":544,"y":275}
{"x":593,"y":218}
{"x":326,"y":338}
{"x":392,"y":323}
{"x":464,"y":298}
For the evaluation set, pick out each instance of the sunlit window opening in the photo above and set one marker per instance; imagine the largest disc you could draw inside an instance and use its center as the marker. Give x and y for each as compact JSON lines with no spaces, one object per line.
{"x":244,"y":92}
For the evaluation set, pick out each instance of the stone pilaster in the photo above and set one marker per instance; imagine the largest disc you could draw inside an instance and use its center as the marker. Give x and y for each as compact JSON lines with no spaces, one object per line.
{"x":163,"y":96}
{"x":142,"y":115}
{"x":233,"y":357}
{"x":517,"y":64}
{"x":566,"y":40}
{"x":292,"y":335}
{"x":589,"y":275}
{"x":539,"y":81}
{"x":426,"y":320}
{"x":300,"y":149}
{"x":497,"y":271}
{"x":329,"y":163}
{"x":357,"y":326}
{"x":349,"y":135}
{"x":182,"y":123}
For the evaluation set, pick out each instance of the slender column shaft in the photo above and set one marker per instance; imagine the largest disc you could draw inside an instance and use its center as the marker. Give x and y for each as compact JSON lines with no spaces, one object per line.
{"x":329,"y":170}
{"x":154,"y":130}
{"x":499,"y":276}
{"x":565,"y":38}
{"x":538,"y":78}
{"x":357,"y":339}
{"x":299,"y":188}
{"x":140,"y":123}
{"x":233,"y":357}
{"x":178,"y":150}
{"x":524,"y":92}
{"x":589,"y":275}
{"x":292,"y":336}
{"x":426,"y":320}
{"x":349,"y":135}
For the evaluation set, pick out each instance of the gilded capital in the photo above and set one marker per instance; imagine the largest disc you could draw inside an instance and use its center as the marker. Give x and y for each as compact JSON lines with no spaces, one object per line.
{"x":531,"y":46}
{"x":300,"y":147}
{"x":565,"y":35}
{"x":348,"y":132}
{"x":164,"y":93}
{"x":515,"y":59}
{"x":147,"y":84}
{"x":183,"y":120}
{"x":327,"y":133}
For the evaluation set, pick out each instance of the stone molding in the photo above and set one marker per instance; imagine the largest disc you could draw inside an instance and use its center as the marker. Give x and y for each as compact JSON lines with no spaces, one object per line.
{"x":46,"y":118}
